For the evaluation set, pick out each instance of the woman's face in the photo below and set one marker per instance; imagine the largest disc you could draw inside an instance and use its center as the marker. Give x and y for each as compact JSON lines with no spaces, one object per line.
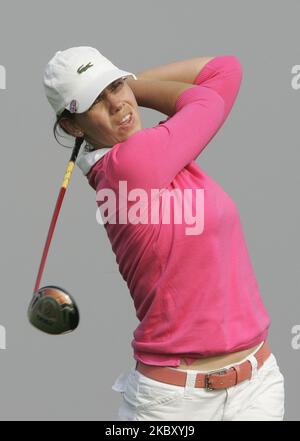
{"x":100,"y":125}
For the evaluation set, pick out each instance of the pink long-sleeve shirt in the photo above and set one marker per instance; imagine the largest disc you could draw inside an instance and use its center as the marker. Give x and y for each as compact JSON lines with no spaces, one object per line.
{"x":195,"y":295}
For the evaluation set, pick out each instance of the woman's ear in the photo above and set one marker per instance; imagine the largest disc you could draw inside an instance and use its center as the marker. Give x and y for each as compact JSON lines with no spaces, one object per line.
{"x":71,"y":128}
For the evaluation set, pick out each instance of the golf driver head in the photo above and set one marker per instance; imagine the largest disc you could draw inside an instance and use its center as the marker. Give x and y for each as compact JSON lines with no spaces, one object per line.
{"x":53,"y":310}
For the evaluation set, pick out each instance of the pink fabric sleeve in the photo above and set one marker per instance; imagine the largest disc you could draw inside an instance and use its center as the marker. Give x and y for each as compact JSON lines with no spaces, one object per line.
{"x":152,"y":157}
{"x":224,"y":75}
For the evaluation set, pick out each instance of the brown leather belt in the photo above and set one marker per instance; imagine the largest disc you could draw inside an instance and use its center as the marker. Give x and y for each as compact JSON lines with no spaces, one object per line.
{"x":219,"y":379}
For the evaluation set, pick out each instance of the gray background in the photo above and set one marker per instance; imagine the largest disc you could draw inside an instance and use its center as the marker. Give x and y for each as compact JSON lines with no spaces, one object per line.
{"x":254,"y":157}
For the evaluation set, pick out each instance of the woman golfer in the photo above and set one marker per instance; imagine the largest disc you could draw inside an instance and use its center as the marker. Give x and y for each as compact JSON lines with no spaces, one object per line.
{"x":200,"y":349}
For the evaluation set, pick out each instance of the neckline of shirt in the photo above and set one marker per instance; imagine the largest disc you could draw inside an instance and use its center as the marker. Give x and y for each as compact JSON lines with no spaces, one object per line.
{"x":88,"y":157}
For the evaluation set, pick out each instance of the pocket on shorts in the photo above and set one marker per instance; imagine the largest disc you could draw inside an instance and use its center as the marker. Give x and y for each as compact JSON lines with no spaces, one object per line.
{"x":269,"y":391}
{"x":150,"y":393}
{"x":120,"y":383}
{"x":140,"y":392}
{"x":271,"y":375}
{"x":270,"y":367}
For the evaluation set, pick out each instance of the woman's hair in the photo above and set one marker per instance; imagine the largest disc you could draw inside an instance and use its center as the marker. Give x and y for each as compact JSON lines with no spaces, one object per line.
{"x":70,"y":116}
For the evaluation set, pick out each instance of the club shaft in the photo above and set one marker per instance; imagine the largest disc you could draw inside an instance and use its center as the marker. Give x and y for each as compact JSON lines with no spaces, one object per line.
{"x":59,"y":201}
{"x":49,"y":237}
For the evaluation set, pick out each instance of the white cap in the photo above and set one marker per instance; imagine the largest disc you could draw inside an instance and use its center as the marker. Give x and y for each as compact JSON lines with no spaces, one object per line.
{"x":74,"y":78}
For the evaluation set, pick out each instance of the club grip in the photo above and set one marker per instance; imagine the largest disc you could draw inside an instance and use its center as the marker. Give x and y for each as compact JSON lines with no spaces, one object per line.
{"x":68,"y":174}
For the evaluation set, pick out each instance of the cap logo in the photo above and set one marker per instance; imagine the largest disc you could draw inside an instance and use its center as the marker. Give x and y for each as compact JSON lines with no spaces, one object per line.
{"x":73,"y":106}
{"x":83,"y":68}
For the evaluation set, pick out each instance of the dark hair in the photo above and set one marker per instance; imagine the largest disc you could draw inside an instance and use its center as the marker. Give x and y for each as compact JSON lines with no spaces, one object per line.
{"x":68,"y":115}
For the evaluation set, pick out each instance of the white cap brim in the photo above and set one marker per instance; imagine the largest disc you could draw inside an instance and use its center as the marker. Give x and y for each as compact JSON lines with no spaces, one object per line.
{"x":87,"y":96}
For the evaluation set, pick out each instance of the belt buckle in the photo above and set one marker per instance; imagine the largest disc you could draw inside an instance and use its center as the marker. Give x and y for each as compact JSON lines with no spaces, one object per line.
{"x":207,"y":384}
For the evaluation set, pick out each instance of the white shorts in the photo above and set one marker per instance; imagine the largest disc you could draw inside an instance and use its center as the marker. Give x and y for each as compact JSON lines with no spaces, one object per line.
{"x":260,"y":398}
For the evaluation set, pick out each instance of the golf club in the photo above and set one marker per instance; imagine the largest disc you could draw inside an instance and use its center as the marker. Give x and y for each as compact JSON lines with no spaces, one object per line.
{"x":52,"y":309}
